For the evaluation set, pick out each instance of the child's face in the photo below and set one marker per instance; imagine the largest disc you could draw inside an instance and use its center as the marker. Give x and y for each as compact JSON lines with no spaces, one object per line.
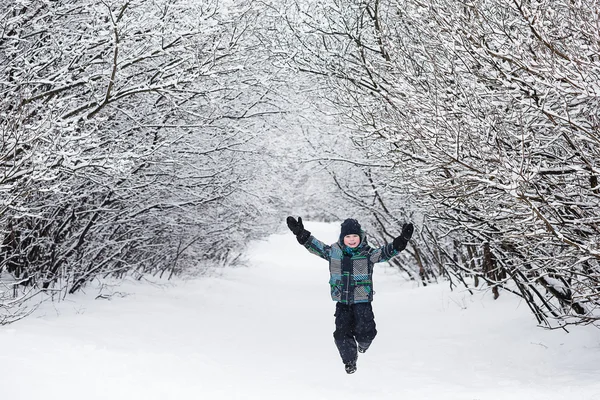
{"x":352,"y":240}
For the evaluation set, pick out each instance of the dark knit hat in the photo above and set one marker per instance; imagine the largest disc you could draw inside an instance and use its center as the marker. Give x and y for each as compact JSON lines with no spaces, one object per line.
{"x":350,"y":227}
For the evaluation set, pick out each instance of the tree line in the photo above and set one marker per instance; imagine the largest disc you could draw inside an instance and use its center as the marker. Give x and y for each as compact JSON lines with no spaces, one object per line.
{"x":479,"y":119}
{"x":129,"y":141}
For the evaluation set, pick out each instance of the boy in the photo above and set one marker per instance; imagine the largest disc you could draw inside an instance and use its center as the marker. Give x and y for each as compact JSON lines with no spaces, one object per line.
{"x":351,"y":261}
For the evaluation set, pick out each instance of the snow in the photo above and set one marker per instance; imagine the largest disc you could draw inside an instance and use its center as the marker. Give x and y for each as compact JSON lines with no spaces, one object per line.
{"x":265,"y":332}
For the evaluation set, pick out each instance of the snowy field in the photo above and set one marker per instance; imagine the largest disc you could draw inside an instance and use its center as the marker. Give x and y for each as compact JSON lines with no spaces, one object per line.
{"x":265,"y":332}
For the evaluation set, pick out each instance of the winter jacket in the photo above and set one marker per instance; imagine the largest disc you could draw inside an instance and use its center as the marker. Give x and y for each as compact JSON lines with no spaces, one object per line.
{"x":351,"y":269}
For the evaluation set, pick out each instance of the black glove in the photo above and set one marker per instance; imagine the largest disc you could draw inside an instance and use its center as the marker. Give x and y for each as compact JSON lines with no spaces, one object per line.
{"x":401,"y":241}
{"x":407,"y":231}
{"x":297,"y":228}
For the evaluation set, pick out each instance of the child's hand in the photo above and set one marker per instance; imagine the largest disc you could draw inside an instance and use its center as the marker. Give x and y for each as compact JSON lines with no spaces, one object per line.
{"x":401,"y":241}
{"x":295,"y":226}
{"x":407,"y":231}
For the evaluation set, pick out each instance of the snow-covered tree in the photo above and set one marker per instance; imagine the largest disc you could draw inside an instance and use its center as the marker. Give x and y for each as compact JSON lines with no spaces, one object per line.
{"x":131,"y":139}
{"x":481,"y":118}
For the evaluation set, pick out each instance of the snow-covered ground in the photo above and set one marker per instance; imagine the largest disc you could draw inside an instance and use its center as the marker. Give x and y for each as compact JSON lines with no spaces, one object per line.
{"x":265,"y":332}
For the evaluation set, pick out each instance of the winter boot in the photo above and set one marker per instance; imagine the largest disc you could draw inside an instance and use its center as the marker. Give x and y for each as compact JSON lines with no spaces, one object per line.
{"x":362,"y":347}
{"x":350,"y":367}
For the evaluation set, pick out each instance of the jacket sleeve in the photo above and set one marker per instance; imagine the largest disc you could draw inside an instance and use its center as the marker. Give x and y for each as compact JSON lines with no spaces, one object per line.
{"x":318,"y":248}
{"x":383,"y":253}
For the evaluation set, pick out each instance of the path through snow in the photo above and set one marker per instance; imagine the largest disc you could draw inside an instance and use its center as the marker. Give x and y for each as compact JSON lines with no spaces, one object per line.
{"x":265,"y":332}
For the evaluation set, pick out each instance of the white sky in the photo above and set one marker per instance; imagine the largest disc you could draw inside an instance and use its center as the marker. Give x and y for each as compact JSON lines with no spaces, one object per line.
{"x":265,"y":332}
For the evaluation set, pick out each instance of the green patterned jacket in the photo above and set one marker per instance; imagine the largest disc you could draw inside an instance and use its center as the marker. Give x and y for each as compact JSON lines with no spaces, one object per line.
{"x":351,"y":269}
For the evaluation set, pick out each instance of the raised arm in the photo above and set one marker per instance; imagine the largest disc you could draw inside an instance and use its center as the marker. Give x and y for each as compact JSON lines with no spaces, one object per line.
{"x":384,"y":253}
{"x":307,"y":240}
{"x":318,"y":248}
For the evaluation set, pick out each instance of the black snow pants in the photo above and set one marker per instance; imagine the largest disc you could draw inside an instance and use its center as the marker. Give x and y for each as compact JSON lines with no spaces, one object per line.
{"x":353,"y":323}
